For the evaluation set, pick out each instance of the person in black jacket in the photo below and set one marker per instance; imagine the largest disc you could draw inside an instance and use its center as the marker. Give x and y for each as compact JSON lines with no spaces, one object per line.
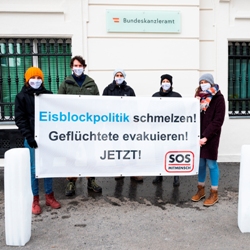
{"x":166,"y":90}
{"x":24,"y":118}
{"x":119,"y":87}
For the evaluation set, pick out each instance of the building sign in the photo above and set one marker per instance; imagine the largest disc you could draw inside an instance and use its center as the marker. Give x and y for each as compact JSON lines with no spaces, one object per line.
{"x":143,"y":21}
{"x":113,"y":136}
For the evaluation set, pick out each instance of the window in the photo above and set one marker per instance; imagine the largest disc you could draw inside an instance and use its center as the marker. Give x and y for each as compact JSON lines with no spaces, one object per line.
{"x":52,"y":55}
{"x":239,"y":79}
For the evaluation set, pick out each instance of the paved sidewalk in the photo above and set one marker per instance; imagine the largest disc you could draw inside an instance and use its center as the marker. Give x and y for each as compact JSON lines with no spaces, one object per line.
{"x":129,"y":215}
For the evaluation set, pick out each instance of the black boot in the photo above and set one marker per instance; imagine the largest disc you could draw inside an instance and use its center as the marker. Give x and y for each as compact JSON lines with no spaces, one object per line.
{"x":157,"y":179}
{"x":176,"y":182}
{"x":92,"y":185}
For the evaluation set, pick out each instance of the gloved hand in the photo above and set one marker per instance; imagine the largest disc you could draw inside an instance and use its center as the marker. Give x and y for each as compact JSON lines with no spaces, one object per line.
{"x":37,"y":93}
{"x":32,"y":143}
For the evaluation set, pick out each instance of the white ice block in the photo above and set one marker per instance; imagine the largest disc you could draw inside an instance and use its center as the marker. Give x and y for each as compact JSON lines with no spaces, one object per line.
{"x":17,"y":196}
{"x":244,"y":190}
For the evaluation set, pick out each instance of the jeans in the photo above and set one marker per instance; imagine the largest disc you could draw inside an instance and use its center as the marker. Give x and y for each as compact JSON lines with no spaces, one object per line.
{"x":34,"y":180}
{"x":213,"y":168}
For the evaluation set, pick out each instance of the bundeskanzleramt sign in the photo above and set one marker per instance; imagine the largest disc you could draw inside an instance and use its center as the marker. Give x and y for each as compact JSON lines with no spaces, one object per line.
{"x":143,"y":21}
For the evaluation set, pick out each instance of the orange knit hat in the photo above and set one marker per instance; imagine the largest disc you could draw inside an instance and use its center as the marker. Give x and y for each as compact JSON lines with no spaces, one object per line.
{"x":33,"y":71}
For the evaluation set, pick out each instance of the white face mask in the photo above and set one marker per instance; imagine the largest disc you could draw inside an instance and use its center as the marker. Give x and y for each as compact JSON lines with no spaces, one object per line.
{"x":119,"y":80}
{"x":78,"y":71}
{"x":166,"y":85}
{"x":205,"y":86}
{"x":35,"y":83}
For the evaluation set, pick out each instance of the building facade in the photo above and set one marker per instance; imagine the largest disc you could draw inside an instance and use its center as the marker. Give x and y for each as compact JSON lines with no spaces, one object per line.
{"x":208,"y":36}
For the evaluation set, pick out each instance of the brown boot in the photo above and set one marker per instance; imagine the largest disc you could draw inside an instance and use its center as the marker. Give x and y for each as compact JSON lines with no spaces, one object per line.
{"x":200,"y":193}
{"x":36,"y":209}
{"x":212,"y":199}
{"x":51,"y":201}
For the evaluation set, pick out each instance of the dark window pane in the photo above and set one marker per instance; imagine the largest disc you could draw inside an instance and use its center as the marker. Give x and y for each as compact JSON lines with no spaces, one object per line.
{"x":18,"y":54}
{"x":238,"y":78}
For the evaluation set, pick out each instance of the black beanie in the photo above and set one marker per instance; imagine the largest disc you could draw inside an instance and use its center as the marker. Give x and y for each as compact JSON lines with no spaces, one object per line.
{"x":166,"y":76}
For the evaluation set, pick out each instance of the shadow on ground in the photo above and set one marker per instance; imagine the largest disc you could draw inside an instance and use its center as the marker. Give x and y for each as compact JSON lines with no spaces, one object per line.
{"x":158,"y":195}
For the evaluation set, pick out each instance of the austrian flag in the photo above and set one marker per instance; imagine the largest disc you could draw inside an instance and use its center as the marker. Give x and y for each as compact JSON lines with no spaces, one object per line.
{"x":116,"y":19}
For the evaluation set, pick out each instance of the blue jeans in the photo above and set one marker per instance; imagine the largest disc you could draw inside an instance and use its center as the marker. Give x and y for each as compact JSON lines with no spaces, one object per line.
{"x":34,"y":180}
{"x":213,"y":168}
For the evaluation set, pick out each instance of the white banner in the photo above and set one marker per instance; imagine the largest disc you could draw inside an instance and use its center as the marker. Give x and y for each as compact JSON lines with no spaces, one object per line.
{"x":113,"y":136}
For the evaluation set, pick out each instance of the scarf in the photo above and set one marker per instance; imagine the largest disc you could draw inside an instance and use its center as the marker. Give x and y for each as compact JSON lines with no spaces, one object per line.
{"x":206,"y":97}
{"x":79,"y":79}
{"x":32,"y":91}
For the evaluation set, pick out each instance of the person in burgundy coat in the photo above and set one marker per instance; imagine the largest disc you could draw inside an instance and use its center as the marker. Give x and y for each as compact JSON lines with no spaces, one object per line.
{"x":212,"y":107}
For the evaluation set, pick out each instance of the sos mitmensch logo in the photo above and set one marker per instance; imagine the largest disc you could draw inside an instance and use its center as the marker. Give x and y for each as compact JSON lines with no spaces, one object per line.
{"x":179,"y":161}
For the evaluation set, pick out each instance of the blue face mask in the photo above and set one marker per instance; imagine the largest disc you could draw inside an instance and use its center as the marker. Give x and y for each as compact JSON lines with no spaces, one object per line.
{"x":78,"y":71}
{"x":35,"y":83}
{"x":119,"y":80}
{"x":166,"y":85}
{"x":205,"y":86}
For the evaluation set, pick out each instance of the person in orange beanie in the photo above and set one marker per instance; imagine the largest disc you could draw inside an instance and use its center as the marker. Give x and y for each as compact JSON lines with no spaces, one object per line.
{"x":24,"y":118}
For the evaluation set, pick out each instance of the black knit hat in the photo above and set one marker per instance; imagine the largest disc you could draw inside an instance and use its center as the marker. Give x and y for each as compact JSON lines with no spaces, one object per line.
{"x":166,"y":76}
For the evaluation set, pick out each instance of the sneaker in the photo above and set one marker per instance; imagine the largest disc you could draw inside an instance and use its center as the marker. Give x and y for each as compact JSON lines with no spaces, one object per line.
{"x":92,"y":185}
{"x":137,"y":178}
{"x":70,"y":188}
{"x":176,"y":182}
{"x":157,"y":179}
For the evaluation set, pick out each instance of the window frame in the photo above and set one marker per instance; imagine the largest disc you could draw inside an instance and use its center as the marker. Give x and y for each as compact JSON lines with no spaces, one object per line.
{"x":239,"y":79}
{"x":52,"y":55}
